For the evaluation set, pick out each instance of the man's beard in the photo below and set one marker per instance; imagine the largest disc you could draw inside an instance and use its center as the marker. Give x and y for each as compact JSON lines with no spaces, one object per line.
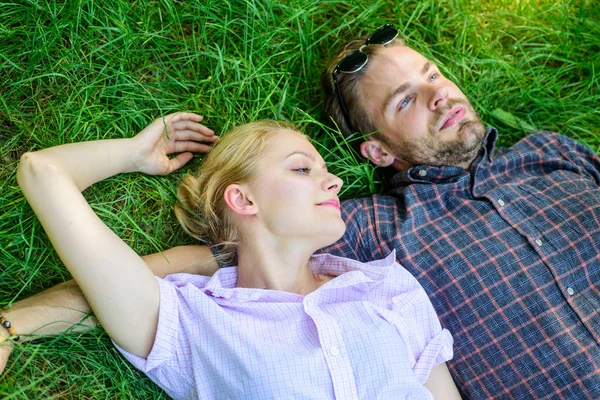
{"x":434,"y":151}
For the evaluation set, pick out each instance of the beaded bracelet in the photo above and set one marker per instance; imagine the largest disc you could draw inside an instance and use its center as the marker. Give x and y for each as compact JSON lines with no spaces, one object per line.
{"x":11,"y":331}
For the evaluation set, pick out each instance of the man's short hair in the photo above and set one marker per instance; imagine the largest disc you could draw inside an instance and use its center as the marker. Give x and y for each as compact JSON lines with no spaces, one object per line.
{"x":348,"y":83}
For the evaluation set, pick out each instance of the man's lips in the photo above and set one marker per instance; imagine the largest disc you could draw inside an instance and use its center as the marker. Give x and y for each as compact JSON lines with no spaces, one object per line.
{"x":453,"y":116}
{"x":331,"y":203}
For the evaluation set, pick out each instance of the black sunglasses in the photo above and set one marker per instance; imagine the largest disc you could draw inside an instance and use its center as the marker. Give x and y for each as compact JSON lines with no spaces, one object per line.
{"x":356,"y":60}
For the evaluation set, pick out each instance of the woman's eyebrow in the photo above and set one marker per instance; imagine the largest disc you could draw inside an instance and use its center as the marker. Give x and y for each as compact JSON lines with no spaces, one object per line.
{"x":302,"y":153}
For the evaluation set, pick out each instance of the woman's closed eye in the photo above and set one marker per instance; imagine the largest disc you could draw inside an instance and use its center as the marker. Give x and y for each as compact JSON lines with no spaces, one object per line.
{"x":302,"y":170}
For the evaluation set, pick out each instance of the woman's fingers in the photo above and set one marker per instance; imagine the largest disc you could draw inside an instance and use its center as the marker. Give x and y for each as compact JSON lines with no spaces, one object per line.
{"x":183,"y":116}
{"x":186,"y":127}
{"x":188,"y":124}
{"x":196,"y":136}
{"x":193,"y":126}
{"x":179,"y":161}
{"x":191,"y":146}
{"x":187,"y":121}
{"x":173,"y":133}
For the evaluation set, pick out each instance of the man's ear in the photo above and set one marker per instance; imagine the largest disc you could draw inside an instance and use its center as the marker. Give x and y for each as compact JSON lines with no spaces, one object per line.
{"x":374,"y":150}
{"x":239,"y":201}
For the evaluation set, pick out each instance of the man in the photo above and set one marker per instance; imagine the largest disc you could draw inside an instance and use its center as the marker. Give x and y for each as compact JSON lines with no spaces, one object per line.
{"x":504,"y":242}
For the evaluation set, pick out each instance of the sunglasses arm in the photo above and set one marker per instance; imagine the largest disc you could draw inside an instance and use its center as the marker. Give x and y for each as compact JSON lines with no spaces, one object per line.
{"x":341,"y":99}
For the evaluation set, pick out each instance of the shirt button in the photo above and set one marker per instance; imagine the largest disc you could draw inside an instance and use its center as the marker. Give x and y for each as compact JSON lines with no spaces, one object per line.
{"x":571,"y":291}
{"x":501,"y":202}
{"x":538,"y":242}
{"x":254,"y":296}
{"x":422,"y":172}
{"x":334,"y":351}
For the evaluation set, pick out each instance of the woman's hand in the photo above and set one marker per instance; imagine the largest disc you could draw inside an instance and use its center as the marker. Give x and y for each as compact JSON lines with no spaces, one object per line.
{"x":175,"y":133}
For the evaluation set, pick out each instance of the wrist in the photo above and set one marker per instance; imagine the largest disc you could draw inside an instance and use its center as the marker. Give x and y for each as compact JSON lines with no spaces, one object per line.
{"x":51,"y":312}
{"x":7,"y":330}
{"x":131,"y":155}
{"x":25,"y":319}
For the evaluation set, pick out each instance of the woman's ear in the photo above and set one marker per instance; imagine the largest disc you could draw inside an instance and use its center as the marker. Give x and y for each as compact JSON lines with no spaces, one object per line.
{"x":238,"y":200}
{"x":374,"y":150}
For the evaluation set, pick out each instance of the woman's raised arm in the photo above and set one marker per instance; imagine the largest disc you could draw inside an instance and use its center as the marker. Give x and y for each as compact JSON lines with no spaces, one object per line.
{"x":117,"y":283}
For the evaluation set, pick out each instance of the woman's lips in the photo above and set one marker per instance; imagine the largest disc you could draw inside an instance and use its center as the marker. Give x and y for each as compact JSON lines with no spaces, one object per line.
{"x":453,"y":117}
{"x":330,"y":203}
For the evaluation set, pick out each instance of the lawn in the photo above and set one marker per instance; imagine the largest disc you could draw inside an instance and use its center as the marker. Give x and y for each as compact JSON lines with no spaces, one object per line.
{"x":85,"y":70}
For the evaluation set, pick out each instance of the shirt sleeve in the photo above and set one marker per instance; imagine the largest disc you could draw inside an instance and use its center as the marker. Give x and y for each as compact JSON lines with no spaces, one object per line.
{"x":168,"y":351}
{"x":427,"y":343}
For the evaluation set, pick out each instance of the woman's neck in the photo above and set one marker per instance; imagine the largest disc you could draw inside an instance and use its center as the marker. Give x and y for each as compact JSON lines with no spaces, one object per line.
{"x":277,"y":265}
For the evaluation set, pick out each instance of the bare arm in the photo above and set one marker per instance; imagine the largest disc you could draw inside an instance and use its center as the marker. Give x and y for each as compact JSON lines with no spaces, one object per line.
{"x":441,"y":384}
{"x":117,"y":283}
{"x":190,"y":259}
{"x":59,"y":308}
{"x":63,"y":307}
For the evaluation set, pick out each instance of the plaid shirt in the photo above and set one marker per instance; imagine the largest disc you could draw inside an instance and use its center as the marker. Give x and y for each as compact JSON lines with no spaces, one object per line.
{"x":509,"y":253}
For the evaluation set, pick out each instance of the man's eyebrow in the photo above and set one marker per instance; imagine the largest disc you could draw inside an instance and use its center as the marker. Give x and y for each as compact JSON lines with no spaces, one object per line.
{"x":426,"y":67}
{"x":397,"y":92}
{"x":404,"y":86}
{"x":302,"y":153}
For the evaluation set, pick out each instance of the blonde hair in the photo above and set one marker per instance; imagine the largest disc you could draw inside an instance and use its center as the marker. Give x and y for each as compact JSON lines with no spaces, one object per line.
{"x":202,"y":211}
{"x":348,"y":84}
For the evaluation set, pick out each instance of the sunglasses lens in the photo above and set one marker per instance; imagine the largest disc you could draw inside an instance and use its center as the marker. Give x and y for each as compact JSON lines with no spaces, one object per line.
{"x":383,"y":35}
{"x":353,"y":62}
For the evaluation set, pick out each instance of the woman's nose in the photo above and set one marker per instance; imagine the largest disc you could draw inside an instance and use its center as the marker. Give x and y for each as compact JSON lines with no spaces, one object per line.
{"x":333,"y":183}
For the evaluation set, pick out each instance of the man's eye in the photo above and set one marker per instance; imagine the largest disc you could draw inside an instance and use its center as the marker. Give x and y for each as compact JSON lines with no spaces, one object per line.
{"x":303,"y":170}
{"x":405,"y":102}
{"x":434,"y":77}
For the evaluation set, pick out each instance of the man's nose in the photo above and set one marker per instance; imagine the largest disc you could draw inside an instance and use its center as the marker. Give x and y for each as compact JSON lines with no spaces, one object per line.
{"x":438,"y":98}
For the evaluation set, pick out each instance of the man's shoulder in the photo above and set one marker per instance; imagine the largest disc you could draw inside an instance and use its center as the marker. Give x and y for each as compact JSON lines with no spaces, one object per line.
{"x":550,"y":143}
{"x":541,"y":139}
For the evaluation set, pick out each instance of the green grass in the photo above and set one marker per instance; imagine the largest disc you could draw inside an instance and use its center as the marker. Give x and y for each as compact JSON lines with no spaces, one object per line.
{"x":83,"y":70}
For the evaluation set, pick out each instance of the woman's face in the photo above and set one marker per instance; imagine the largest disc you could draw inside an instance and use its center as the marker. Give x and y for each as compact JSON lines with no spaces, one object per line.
{"x":295,"y":195}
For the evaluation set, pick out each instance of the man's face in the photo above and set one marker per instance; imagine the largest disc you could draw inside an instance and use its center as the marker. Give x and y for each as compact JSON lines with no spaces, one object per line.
{"x":422,"y":117}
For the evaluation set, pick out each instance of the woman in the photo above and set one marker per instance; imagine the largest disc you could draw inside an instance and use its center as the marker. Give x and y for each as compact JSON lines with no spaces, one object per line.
{"x":282,"y":324}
